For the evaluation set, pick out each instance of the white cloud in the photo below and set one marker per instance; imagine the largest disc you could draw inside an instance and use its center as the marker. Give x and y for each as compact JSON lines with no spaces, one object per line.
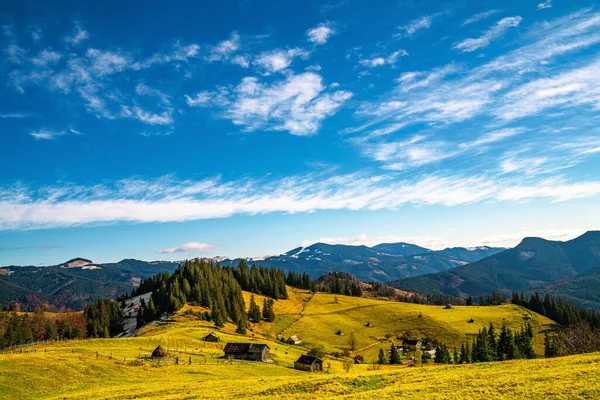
{"x":78,"y":36}
{"x":45,"y":134}
{"x":379,"y":61}
{"x":298,"y":104}
{"x":416,"y":25}
{"x":575,"y":88}
{"x":496,"y":31}
{"x":320,"y":34}
{"x":163,"y":118}
{"x":544,"y":5}
{"x":168,"y":200}
{"x":278,"y":60}
{"x":191,"y":247}
{"x":202,"y":99}
{"x":224,"y":49}
{"x":492,"y":137}
{"x":479,"y":16}
{"x":46,"y":57}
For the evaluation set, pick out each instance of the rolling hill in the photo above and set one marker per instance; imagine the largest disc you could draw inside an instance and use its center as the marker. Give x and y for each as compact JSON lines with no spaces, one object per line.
{"x":111,"y":368}
{"x":570,"y":268}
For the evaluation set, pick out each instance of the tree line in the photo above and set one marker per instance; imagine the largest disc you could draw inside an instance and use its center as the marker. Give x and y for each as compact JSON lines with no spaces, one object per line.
{"x":339,"y":283}
{"x":21,"y":328}
{"x":557,"y":309}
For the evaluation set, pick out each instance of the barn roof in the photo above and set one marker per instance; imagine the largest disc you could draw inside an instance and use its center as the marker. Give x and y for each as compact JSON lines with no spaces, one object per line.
{"x":212,"y":334}
{"x":243,"y":348}
{"x":308,"y":360}
{"x":411,"y":342}
{"x":295,"y":338}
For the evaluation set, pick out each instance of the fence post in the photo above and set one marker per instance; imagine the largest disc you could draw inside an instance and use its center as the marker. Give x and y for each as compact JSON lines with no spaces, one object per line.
{"x":177,"y":360}
{"x":190,"y":360}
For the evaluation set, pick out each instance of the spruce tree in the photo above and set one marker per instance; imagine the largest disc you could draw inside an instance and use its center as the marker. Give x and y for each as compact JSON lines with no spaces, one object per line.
{"x":394,"y":355}
{"x":253,"y":310}
{"x":381,"y":358}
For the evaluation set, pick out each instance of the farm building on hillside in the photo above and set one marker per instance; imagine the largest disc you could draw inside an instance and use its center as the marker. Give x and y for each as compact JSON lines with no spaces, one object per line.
{"x":411,"y":345}
{"x":211,"y":337}
{"x":295,"y":339}
{"x":247,"y":351}
{"x":308,"y":363}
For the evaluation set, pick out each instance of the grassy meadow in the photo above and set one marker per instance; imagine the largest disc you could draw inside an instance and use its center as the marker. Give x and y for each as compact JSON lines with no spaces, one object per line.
{"x":71,"y":370}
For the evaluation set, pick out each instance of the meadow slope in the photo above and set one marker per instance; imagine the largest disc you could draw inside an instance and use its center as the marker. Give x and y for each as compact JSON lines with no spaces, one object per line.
{"x":73,"y":370}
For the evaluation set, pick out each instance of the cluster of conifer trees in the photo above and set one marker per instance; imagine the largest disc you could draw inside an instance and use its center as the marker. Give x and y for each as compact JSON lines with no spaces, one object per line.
{"x":339,"y":283}
{"x":267,"y":314}
{"x":557,"y":309}
{"x":103,"y":318}
{"x":301,"y":281}
{"x":17,"y":329}
{"x":261,"y":280}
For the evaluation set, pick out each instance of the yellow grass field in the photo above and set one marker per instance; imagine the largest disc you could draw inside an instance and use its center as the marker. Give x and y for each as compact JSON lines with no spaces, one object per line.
{"x":72,"y":370}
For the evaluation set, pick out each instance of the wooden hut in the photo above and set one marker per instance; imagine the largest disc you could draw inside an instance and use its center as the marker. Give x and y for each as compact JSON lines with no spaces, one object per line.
{"x":339,"y":333}
{"x":160,"y":352}
{"x":308,"y":363}
{"x":211,"y":337}
{"x":295,"y":339}
{"x":247,"y":351}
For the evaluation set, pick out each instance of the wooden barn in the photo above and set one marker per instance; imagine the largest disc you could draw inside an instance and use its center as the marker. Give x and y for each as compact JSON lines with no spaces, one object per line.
{"x":211,"y":337}
{"x":247,"y":351}
{"x":308,"y":363}
{"x":295,"y":339}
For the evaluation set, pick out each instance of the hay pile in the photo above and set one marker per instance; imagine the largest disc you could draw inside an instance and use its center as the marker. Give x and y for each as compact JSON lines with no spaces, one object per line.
{"x":160,"y":352}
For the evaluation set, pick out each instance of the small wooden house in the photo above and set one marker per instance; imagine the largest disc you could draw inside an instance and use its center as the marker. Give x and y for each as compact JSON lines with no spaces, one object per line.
{"x":339,"y":333}
{"x":211,"y":337}
{"x":369,"y":325}
{"x":411,"y":345}
{"x":295,"y":339}
{"x":308,"y":363}
{"x":247,"y":351}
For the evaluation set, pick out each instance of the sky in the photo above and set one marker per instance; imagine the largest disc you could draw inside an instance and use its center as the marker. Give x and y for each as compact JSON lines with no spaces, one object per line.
{"x":149,"y":130}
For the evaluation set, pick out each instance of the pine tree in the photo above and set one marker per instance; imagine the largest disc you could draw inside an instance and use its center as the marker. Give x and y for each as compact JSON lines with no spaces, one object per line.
{"x":455,"y":357}
{"x":381,"y":358}
{"x":394,"y":355}
{"x":253,"y":310}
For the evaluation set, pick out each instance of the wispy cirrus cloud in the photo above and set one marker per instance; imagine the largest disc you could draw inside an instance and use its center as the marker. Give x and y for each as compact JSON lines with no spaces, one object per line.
{"x":380,"y":60}
{"x":45,"y":134}
{"x":532,"y":79}
{"x":297,"y":104}
{"x":493,"y":33}
{"x":480,"y":16}
{"x":544,"y":5}
{"x":191,"y":247}
{"x":416,"y":25}
{"x":170,"y":200}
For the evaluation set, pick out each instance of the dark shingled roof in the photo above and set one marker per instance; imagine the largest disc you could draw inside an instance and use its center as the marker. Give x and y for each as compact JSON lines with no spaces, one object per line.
{"x":411,"y":342}
{"x":308,"y":360}
{"x":243,"y":348}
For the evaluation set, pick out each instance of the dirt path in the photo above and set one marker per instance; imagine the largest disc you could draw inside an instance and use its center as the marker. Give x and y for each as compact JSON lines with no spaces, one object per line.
{"x":301,"y":315}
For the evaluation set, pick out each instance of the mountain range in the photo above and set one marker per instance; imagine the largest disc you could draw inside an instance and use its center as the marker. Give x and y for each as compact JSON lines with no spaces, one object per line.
{"x":570,"y":269}
{"x":381,"y":263}
{"x":75,"y":282}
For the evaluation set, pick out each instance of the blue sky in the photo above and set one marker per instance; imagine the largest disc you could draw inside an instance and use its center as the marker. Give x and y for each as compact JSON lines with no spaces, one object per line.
{"x":137,"y":129}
